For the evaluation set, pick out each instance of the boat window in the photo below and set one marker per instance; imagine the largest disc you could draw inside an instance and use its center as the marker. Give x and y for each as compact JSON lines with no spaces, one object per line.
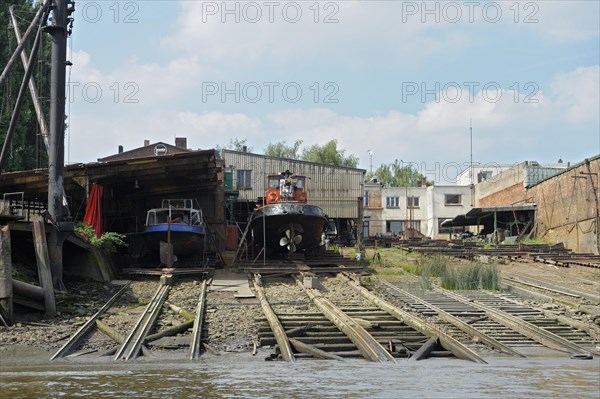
{"x":273,"y":181}
{"x":161,"y":217}
{"x":151,"y":218}
{"x":300,"y":182}
{"x":195,"y":218}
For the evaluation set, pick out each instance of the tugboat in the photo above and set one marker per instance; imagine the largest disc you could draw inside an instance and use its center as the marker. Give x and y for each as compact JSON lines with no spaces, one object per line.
{"x":180,"y":223}
{"x":287,"y":223}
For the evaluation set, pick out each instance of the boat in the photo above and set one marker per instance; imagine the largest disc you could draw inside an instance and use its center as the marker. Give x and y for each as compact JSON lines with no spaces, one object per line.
{"x":177,"y":221}
{"x":287,"y":223}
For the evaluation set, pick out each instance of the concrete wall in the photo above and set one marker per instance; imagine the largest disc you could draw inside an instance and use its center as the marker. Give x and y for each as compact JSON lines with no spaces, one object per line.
{"x":567,"y":207}
{"x":505,"y":188}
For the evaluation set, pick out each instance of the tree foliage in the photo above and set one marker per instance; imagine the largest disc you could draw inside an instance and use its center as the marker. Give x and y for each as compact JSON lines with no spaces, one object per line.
{"x":27,"y":150}
{"x":282,"y":150}
{"x":236,"y":144}
{"x":398,"y":174}
{"x":328,"y":153}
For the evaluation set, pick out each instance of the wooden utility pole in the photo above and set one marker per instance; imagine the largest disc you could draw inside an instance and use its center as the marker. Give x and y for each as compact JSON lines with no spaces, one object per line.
{"x":59,"y":31}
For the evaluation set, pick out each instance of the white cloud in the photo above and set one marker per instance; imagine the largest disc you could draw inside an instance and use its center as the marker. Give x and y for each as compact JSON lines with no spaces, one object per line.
{"x":578,"y":93}
{"x":508,"y":130}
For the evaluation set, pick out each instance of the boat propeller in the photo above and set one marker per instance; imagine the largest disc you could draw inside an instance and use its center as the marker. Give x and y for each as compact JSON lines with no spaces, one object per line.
{"x":290,"y":240}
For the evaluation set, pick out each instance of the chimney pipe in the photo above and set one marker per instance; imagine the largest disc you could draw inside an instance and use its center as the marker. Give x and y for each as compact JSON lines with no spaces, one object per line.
{"x":146,"y":143}
{"x":120,"y":149}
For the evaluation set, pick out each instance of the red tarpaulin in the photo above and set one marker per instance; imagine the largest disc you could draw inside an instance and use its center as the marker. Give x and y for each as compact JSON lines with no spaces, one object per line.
{"x":93,"y":210}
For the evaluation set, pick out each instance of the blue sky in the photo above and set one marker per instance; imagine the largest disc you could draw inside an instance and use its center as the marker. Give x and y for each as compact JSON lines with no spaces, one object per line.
{"x":401,"y":78}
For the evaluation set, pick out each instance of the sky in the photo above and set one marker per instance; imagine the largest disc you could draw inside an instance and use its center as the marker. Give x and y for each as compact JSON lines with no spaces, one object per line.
{"x":389,"y":80}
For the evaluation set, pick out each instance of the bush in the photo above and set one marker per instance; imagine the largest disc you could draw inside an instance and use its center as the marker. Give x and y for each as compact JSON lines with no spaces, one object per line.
{"x":107,"y":242}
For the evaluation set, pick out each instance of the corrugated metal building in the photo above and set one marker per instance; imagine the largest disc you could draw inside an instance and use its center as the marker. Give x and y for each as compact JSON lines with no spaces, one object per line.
{"x":338,"y":190}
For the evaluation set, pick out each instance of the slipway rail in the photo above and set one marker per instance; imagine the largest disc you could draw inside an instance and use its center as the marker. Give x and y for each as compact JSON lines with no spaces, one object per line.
{"x":458,"y":323}
{"x":76,"y":339}
{"x":274,"y":323}
{"x":198,"y":321}
{"x":366,"y":344}
{"x":449,"y":343}
{"x":526,"y":328}
{"x":133,"y":343}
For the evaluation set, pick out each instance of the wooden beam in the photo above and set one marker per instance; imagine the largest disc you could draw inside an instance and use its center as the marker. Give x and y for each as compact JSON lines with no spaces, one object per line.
{"x":6,"y":290}
{"x":43,"y":264}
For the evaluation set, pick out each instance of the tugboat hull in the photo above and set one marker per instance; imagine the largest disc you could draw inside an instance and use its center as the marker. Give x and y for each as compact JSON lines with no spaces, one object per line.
{"x":288,"y":227}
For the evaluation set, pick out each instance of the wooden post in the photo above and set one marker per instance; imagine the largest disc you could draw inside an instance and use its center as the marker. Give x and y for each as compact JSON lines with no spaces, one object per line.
{"x":6,"y":292}
{"x":43,"y":265}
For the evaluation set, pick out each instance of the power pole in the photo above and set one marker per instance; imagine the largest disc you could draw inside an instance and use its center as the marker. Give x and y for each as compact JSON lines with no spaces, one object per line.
{"x":59,"y":30}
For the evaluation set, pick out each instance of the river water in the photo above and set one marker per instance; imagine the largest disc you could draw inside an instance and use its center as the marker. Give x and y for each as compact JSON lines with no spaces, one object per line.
{"x":28,"y":375}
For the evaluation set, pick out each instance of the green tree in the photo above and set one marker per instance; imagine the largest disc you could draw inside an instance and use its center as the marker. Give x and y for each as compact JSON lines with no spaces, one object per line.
{"x":27,"y":150}
{"x":329,"y":154}
{"x":236,"y":144}
{"x":398,"y":175}
{"x":281,"y":150}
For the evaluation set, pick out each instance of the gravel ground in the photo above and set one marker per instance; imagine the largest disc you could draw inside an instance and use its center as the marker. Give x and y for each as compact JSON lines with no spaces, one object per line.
{"x":231,"y":323}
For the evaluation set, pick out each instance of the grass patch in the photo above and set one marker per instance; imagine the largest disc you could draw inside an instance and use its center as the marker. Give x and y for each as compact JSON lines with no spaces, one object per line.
{"x":474,"y":276}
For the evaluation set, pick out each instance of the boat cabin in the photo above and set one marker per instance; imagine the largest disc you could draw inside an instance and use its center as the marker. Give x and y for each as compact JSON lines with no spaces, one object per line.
{"x":286,"y":187}
{"x":179,"y":211}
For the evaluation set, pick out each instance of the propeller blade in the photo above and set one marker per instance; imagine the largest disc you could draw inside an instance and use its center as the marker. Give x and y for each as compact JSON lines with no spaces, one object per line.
{"x":297,"y":239}
{"x":292,"y":247}
{"x":288,"y":233}
{"x":284,"y":241}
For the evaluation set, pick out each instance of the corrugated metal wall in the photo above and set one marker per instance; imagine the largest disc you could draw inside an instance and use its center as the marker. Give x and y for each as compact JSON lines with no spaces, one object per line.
{"x":335,"y":189}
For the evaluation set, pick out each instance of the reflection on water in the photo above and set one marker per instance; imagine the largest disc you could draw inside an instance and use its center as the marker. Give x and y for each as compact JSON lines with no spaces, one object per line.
{"x":245,"y":376}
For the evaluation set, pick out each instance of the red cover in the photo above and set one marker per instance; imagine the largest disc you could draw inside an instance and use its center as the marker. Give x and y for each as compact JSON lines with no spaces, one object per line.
{"x":93,"y":210}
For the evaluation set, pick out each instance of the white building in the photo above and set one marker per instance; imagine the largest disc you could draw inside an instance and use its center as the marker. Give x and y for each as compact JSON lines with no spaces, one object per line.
{"x":396,"y":210}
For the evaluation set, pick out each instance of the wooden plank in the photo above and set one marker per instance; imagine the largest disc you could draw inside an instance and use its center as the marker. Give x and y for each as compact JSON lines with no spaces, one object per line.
{"x":6,"y":290}
{"x":43,"y":264}
{"x":425,"y":349}
{"x":311,"y":350}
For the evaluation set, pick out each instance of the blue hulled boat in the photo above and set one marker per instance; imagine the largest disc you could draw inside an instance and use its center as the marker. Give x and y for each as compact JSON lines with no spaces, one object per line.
{"x":180,"y":220}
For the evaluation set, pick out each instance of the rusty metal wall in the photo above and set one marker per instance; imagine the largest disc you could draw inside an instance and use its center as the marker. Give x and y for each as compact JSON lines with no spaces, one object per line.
{"x":335,"y":189}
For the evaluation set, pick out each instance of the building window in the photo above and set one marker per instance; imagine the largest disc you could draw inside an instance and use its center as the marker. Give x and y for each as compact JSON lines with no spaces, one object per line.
{"x":413,"y":202}
{"x":244,"y":179}
{"x":392,"y":202}
{"x":394,"y":226}
{"x":453,"y":199}
{"x":365,"y":229}
{"x":484,"y":175}
{"x":366,"y":200}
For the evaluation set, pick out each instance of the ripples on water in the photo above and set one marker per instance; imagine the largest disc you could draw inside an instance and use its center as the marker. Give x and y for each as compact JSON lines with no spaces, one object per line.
{"x":244,"y":376}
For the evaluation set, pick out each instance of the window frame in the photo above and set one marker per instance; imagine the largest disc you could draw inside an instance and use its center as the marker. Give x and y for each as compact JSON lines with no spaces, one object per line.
{"x":244,"y":179}
{"x":458,"y":203}
{"x":390,"y":200}
{"x":410,"y":201}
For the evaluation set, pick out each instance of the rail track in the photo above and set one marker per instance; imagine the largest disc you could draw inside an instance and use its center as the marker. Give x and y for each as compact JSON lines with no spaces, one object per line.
{"x":350,"y":325}
{"x":502,"y":317}
{"x":310,"y":314}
